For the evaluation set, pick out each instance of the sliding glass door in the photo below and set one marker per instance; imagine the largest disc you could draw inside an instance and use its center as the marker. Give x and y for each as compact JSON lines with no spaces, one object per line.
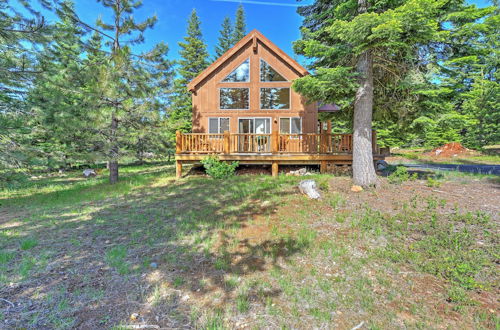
{"x":248,"y":140}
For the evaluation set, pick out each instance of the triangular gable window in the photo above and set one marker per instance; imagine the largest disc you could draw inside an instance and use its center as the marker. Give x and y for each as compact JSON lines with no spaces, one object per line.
{"x":240,"y":74}
{"x":267,"y":73}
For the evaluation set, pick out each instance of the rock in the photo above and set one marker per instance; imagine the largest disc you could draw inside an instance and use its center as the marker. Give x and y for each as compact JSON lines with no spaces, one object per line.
{"x":153,"y":265}
{"x":88,"y":172}
{"x":310,"y":189}
{"x":355,"y":188}
{"x":381,"y":165}
{"x":299,"y":172}
{"x":265,"y":204}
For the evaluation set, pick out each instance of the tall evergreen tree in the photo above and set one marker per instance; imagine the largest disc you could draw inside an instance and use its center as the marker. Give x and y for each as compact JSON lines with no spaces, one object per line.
{"x":194,"y":59}
{"x":125,"y":88}
{"x":240,"y":26}
{"x":56,"y":96}
{"x":364,"y":53}
{"x":225,"y":38}
{"x":22,"y":31}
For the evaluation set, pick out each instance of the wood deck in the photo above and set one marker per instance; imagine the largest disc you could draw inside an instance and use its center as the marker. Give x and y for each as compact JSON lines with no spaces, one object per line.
{"x":268,"y":149}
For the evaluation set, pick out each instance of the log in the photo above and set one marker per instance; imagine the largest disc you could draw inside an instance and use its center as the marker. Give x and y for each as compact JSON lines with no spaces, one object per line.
{"x":310,"y":189}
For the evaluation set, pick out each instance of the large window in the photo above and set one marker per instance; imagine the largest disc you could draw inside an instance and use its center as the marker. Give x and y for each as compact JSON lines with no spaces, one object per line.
{"x":267,"y":73}
{"x":218,"y":125}
{"x":275,"y":98}
{"x":240,"y":74}
{"x":291,"y":125}
{"x":234,"y":98}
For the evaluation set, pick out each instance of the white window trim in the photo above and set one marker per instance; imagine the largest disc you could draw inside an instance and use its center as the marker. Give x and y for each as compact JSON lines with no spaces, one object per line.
{"x":249,"y":99}
{"x":289,"y":99}
{"x":260,"y":68}
{"x":253,"y":118}
{"x":239,"y":82}
{"x":218,"y":124}
{"x":290,"y":125}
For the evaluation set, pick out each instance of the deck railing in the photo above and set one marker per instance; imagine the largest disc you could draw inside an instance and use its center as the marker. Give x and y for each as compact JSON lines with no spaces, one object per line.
{"x":230,"y":143}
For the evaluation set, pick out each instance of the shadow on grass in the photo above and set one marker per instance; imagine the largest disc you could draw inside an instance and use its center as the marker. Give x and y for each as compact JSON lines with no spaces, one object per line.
{"x":187,"y":228}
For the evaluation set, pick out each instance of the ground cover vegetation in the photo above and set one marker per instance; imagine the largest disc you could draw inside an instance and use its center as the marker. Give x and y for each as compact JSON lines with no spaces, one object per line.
{"x":248,"y":251}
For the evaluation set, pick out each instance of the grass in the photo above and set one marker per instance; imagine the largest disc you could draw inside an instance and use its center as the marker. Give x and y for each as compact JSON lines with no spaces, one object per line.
{"x":78,"y":252}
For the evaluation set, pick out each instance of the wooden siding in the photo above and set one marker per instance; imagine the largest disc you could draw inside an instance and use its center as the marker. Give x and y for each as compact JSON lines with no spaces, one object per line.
{"x":205,"y":93}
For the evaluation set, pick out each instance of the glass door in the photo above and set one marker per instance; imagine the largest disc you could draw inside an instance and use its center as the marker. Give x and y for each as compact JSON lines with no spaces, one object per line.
{"x":263,"y":126}
{"x":245,"y":128}
{"x":248,"y":140}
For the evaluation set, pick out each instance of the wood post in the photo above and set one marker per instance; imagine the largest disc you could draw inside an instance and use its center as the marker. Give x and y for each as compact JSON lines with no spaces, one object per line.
{"x":322,"y":166}
{"x":178,"y":142}
{"x":274,"y":168}
{"x":374,"y":142}
{"x":178,"y":169}
{"x":227,"y":142}
{"x":328,"y":136}
{"x":275,"y":143}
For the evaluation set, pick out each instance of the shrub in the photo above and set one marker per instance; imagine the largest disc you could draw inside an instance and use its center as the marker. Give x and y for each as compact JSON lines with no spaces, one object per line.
{"x":401,"y":175}
{"x":431,"y":182}
{"x":218,"y":169}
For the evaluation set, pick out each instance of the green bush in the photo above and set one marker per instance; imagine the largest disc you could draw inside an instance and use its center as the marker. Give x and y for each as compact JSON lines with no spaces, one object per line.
{"x":218,"y":169}
{"x":401,"y":175}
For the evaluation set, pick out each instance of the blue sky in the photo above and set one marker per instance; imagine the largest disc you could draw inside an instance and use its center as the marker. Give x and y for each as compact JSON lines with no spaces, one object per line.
{"x":276,"y":19}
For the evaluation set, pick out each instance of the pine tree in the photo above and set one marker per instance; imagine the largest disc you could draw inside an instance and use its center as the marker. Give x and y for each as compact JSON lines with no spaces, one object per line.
{"x":194,"y":59}
{"x":240,"y":26}
{"x":364,"y":53}
{"x":127,"y":83}
{"x":56,"y":97}
{"x":23,"y":31}
{"x":225,"y":38}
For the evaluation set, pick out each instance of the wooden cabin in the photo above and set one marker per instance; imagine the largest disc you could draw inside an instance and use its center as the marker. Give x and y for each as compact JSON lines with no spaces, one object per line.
{"x":244,"y":109}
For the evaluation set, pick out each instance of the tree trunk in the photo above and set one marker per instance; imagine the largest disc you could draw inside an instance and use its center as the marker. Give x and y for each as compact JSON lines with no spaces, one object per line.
{"x":363,"y":168}
{"x":113,"y":161}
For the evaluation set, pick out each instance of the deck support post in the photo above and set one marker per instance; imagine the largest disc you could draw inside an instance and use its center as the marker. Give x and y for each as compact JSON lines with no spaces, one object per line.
{"x":274,"y":168}
{"x":178,"y":169}
{"x":322,"y":166}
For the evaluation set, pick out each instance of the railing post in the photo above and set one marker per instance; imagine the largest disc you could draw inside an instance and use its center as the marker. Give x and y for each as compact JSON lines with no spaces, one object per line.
{"x":322,"y":139}
{"x":275,"y":143}
{"x":178,"y":142}
{"x":329,"y":136}
{"x":227,"y":142}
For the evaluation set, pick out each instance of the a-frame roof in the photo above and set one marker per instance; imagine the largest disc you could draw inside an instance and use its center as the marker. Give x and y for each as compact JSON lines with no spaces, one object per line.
{"x":253,"y":36}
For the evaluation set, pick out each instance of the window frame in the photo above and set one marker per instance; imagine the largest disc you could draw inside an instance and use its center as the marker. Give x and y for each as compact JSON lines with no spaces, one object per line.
{"x":274,"y":81}
{"x":289,"y":98}
{"x":218,"y":125}
{"x":290,"y":125}
{"x":238,"y":109}
{"x":240,"y":82}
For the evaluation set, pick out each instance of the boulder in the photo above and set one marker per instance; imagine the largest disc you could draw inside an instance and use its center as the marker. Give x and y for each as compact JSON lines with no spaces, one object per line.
{"x":381,"y":165}
{"x":310,"y":189}
{"x":88,"y":172}
{"x":299,"y":172}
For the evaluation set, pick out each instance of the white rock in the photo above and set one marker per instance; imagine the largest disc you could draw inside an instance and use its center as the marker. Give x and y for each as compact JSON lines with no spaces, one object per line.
{"x":310,"y":189}
{"x":88,"y":172}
